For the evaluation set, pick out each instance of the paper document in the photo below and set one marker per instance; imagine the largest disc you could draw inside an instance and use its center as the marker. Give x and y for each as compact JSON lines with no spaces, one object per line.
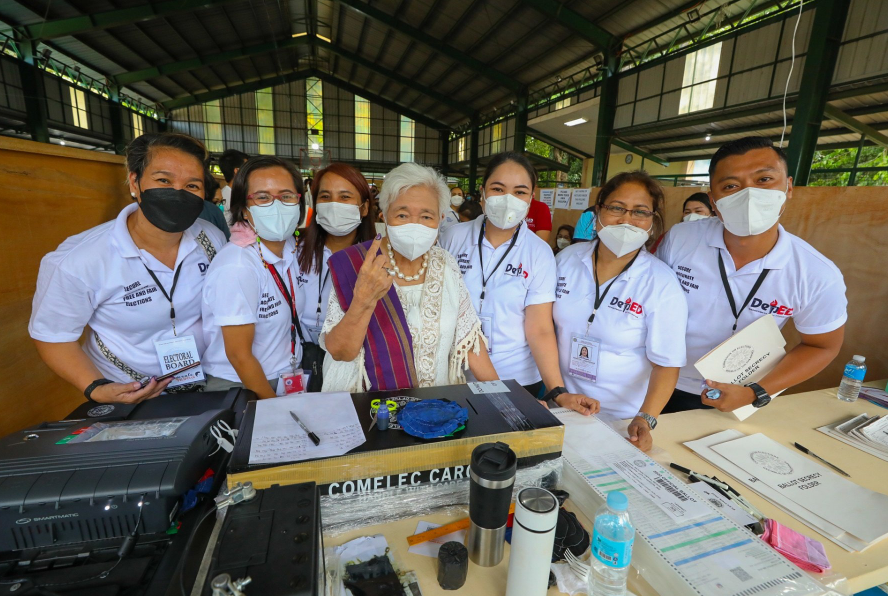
{"x":662,"y":488}
{"x":726,"y":506}
{"x":859,"y":511}
{"x":844,"y":432}
{"x":547,"y":197}
{"x":562,"y":198}
{"x":579,"y":198}
{"x":483,"y":387}
{"x":278,"y":438}
{"x":430,"y":548}
{"x":745,"y":357}
{"x":709,"y":555}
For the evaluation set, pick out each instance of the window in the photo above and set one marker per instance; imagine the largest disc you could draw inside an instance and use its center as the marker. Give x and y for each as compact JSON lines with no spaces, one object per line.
{"x":138,"y":127}
{"x":462,"y":149}
{"x":314,"y":110}
{"x":698,"y":86}
{"x":362,"y":128}
{"x":408,"y":128}
{"x":496,"y":139}
{"x":213,"y":129}
{"x":265,"y":118}
{"x":78,"y":107}
{"x":564,"y":103}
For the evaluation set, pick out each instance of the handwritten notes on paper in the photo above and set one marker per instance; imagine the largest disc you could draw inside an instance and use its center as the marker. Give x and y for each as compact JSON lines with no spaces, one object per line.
{"x":277,"y":438}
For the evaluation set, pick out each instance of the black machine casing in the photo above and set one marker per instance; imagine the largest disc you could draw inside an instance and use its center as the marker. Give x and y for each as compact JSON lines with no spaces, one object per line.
{"x":276,"y":539}
{"x":54,"y":494}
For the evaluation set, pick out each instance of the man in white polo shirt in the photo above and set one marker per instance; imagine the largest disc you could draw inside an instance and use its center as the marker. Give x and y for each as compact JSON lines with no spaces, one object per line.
{"x":743,"y":265}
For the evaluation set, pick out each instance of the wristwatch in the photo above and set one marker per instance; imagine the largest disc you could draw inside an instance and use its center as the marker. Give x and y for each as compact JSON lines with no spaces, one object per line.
{"x":762,"y":398}
{"x":87,"y":393}
{"x":652,"y":422}
{"x":553,"y":394}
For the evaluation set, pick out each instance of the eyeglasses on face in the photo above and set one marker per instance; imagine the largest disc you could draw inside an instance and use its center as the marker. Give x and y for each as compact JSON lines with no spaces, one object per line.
{"x":618,"y":211}
{"x":263,"y":199}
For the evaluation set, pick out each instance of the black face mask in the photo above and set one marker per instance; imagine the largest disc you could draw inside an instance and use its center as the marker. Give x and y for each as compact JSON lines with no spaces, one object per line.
{"x":169,"y":209}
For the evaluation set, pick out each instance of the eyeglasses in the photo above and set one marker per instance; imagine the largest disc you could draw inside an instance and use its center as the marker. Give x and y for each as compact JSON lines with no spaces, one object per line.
{"x":263,"y":199}
{"x":618,"y":211}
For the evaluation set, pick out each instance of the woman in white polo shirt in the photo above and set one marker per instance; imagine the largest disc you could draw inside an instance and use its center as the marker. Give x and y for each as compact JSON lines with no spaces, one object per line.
{"x":136,"y":281}
{"x":620,"y":314}
{"x":342,"y":218}
{"x":248,"y":308}
{"x":510,"y":274}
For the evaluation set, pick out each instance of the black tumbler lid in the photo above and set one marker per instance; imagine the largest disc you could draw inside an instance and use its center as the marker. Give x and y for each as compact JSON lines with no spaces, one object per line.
{"x":494,"y":461}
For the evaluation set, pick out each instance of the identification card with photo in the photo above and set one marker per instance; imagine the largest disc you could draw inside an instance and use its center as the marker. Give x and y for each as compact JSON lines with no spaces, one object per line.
{"x":487,"y":329}
{"x":584,"y":357}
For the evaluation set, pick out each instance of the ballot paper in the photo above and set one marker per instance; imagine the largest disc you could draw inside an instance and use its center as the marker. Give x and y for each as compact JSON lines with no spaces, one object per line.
{"x":745,"y":357}
{"x":562,"y":198}
{"x":861,"y":512}
{"x":547,"y":196}
{"x":707,"y":556}
{"x":842,"y":431}
{"x":430,"y":548}
{"x":278,"y":438}
{"x":662,"y":488}
{"x":724,"y":505}
{"x":579,"y":198}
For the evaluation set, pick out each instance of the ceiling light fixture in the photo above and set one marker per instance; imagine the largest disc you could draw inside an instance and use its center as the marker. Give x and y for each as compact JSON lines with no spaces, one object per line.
{"x":315,"y":146}
{"x":693,"y":15}
{"x":575,"y":122}
{"x":300,"y":34}
{"x":62,"y":142}
{"x":319,"y":36}
{"x":708,"y":136}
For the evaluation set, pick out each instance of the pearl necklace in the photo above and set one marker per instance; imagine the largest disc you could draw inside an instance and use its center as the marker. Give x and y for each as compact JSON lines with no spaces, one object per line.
{"x":395,"y":271}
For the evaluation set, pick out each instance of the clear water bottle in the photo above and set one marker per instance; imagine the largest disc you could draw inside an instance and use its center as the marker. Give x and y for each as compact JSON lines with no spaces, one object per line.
{"x":852,"y":379}
{"x":612,"y":539}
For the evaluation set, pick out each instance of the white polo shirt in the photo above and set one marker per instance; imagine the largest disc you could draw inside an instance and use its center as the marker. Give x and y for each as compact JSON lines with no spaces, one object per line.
{"x":240,"y":291}
{"x":641,"y":320}
{"x":802,"y":285}
{"x":311,"y":287}
{"x":98,"y":278}
{"x":525,"y":277}
{"x":451,"y":218}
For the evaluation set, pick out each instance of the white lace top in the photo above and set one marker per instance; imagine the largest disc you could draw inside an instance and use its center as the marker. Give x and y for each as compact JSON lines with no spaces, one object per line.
{"x":442,"y":323}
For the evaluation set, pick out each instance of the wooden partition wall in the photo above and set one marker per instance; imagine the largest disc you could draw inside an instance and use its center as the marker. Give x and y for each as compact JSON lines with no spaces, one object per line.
{"x":47,"y":193}
{"x":850,"y":227}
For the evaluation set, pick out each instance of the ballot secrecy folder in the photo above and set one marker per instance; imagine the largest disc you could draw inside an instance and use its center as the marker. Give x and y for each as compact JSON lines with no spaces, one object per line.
{"x":745,"y":357}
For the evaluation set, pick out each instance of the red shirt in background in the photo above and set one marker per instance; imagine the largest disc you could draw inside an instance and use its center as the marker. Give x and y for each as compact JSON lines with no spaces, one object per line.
{"x":538,"y":217}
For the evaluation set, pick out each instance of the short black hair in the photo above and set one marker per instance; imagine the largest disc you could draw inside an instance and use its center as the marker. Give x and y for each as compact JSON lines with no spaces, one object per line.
{"x":210,"y":186}
{"x":501,"y":158}
{"x":231,"y":160}
{"x":470,"y":210}
{"x":138,"y":152}
{"x":240,"y":185}
{"x":743,"y":146}
{"x":700,"y":197}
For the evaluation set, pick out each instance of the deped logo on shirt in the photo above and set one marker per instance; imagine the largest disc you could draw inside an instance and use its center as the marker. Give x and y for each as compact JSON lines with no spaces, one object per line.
{"x":773,"y":307}
{"x":627,"y":305}
{"x":517,"y":271}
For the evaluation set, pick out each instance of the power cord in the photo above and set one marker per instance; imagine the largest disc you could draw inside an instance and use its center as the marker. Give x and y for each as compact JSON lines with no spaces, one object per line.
{"x":791,"y":66}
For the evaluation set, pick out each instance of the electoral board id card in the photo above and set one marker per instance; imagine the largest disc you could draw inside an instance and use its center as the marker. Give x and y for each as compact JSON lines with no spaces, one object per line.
{"x":175,"y":353}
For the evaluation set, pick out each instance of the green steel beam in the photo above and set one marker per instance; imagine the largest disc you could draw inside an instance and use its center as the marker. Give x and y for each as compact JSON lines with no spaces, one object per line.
{"x":665,"y":18}
{"x":190,"y":100}
{"x":445,"y":151}
{"x":856,"y":125}
{"x":118,"y":138}
{"x":575,"y":22}
{"x":144,"y":74}
{"x":113,"y":18}
{"x":520,"y":139}
{"x":556,"y":143}
{"x":820,"y":62}
{"x":441,"y":47}
{"x":473,"y":154}
{"x":638,"y":151}
{"x":607,"y":107}
{"x":34,"y":91}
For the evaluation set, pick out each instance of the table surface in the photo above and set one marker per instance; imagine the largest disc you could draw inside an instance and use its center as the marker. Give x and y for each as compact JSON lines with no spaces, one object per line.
{"x":787,"y":419}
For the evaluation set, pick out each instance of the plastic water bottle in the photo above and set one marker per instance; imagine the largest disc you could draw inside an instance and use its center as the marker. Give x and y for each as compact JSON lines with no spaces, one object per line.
{"x":852,"y":379}
{"x":612,"y":539}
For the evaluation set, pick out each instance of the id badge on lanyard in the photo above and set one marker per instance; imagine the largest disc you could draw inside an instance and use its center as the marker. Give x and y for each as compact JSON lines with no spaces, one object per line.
{"x":175,"y":353}
{"x":487,"y":329}
{"x":584,"y":357}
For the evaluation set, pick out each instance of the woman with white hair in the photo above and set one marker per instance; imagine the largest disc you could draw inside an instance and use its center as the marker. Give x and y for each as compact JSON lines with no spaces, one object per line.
{"x":400,"y":315}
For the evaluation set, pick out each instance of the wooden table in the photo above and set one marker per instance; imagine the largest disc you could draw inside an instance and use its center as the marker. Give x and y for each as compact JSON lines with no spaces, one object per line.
{"x":786,"y":419}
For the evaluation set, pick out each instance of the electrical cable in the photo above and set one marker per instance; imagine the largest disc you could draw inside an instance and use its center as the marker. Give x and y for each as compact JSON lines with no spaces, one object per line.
{"x":791,"y":66}
{"x":187,"y":549}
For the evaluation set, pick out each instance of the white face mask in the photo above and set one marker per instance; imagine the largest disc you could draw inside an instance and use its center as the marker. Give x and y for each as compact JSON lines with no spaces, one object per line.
{"x":622,"y":239}
{"x":505,"y":211}
{"x":412,"y":240}
{"x":694,"y":217}
{"x":562,"y":242}
{"x":456,"y":200}
{"x":275,"y":222}
{"x":339,"y":219}
{"x":751,"y":211}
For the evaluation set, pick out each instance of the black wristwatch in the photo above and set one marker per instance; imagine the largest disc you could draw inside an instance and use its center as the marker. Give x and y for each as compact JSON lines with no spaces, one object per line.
{"x":550,"y":397}
{"x":762,"y":398}
{"x":87,"y":393}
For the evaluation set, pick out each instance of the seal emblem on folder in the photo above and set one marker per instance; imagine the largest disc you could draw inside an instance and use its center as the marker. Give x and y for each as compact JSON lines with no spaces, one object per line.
{"x":771,"y":462}
{"x":98,"y":411}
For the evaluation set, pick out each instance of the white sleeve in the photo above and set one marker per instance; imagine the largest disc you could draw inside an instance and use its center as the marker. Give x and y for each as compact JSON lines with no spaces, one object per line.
{"x":340,"y":376}
{"x":825,"y":312}
{"x":232,"y":294}
{"x":664,"y":251}
{"x":62,"y":306}
{"x":667,"y":324}
{"x":542,"y":288}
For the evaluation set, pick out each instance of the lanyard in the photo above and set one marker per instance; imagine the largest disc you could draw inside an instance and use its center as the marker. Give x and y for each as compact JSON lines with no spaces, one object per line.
{"x":481,"y":259}
{"x":288,"y":297}
{"x":169,"y":296}
{"x":599,"y":298}
{"x":755,"y":287}
{"x":321,"y":284}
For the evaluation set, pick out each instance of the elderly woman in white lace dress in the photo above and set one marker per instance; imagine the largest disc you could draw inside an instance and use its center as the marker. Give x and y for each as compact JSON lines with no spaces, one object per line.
{"x":400,"y":315}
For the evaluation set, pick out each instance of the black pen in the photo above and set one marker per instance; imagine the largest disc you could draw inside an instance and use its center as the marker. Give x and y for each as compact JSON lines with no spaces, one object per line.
{"x":804,"y":449}
{"x":314,"y":438}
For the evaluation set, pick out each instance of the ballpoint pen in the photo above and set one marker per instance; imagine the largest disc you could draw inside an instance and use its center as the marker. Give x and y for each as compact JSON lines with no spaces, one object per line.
{"x":314,"y":438}
{"x":725,"y":489}
{"x":804,"y":449}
